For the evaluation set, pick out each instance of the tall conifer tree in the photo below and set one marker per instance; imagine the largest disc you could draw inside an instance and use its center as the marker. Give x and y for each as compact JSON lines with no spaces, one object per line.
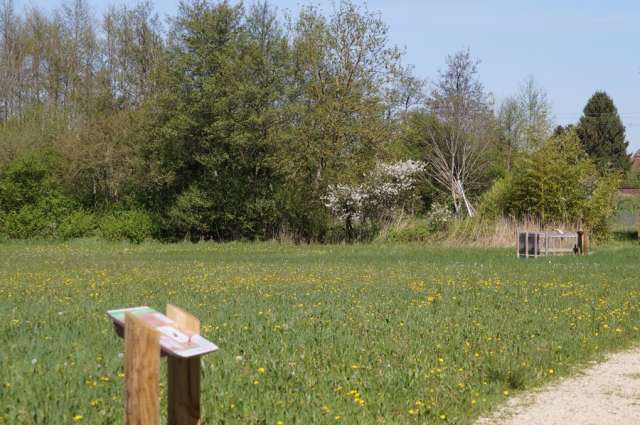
{"x":602,"y":134}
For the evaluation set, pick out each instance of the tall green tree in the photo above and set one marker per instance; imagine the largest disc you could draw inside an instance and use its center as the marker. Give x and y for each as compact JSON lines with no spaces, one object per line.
{"x":556,"y":184}
{"x":525,"y":119}
{"x":342,"y":65}
{"x":602,"y":134}
{"x":552,"y":184}
{"x":211,"y":124}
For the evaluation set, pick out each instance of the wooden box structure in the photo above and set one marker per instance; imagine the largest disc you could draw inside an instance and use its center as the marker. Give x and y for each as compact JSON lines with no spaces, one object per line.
{"x":542,"y":244}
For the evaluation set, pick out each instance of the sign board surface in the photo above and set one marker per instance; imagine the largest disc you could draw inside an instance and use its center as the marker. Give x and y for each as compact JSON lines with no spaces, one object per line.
{"x":172,"y":340}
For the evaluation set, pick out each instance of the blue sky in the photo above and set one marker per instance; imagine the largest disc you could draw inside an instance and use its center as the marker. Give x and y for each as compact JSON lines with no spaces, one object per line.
{"x":571,"y":47}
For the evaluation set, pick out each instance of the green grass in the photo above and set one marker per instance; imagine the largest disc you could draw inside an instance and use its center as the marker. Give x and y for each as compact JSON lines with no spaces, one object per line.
{"x":346,"y":334}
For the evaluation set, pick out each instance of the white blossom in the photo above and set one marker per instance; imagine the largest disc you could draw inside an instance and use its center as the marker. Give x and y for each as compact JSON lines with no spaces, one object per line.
{"x":345,"y":201}
{"x":386,"y":188}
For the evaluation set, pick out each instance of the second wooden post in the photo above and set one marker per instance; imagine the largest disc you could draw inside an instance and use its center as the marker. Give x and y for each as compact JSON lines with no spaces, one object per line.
{"x":184,"y":375}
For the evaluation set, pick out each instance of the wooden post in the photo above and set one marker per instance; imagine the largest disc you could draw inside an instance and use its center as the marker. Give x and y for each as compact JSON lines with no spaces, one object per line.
{"x":585,"y":243}
{"x":546,"y":244}
{"x":184,"y":375}
{"x":142,"y":372}
{"x":580,"y":241}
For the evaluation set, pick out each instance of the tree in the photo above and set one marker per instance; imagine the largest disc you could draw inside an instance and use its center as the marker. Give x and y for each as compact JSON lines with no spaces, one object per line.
{"x":82,"y":55}
{"x":404,"y":93}
{"x":460,"y":133}
{"x":211,"y":124}
{"x":510,"y":121}
{"x":11,"y":61}
{"x":132,"y":48}
{"x":339,"y":127}
{"x":536,"y":113}
{"x":557,"y":184}
{"x":525,"y":119}
{"x":561,"y":130}
{"x":389,"y":189}
{"x":553,"y":183}
{"x":602,"y":134}
{"x":101,"y":159}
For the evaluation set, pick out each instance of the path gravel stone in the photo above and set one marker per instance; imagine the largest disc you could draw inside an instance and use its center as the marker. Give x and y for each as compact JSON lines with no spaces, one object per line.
{"x":605,"y":394}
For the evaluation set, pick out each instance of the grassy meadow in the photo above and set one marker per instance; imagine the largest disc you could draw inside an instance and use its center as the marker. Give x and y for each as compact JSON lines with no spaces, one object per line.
{"x":371,"y":334}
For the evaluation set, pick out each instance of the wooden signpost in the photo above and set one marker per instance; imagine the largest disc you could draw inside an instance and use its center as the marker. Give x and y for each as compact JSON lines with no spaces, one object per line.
{"x":148,"y":334}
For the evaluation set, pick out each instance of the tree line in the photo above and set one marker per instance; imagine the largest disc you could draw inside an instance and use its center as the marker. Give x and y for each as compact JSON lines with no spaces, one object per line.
{"x":236,"y":122}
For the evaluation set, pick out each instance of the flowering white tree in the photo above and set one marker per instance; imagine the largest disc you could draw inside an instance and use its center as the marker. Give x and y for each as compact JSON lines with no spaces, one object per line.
{"x":388,"y":188}
{"x":391,"y":187}
{"x":346,"y":202}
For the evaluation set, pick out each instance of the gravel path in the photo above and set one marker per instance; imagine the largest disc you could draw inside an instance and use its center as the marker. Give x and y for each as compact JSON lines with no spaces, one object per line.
{"x":605,"y":394}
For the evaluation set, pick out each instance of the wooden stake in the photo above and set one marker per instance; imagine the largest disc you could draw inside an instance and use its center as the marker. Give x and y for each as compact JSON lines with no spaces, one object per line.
{"x":142,"y":372}
{"x":580,"y":241}
{"x":184,"y":375}
{"x":585,"y":244}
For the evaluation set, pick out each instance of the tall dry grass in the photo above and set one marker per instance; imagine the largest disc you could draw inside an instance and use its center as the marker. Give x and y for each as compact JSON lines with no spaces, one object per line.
{"x":475,"y":232}
{"x":497,"y":233}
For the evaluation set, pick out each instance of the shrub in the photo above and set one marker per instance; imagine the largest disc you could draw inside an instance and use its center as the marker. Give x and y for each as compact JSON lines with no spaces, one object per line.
{"x":77,"y":225}
{"x":134,"y":226}
{"x":32,"y":203}
{"x":601,"y":206}
{"x":27,"y":222}
{"x":40,"y":220}
{"x":412,"y":231}
{"x":492,"y":202}
{"x":438,"y":217}
{"x":192,"y":213}
{"x":27,"y":180}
